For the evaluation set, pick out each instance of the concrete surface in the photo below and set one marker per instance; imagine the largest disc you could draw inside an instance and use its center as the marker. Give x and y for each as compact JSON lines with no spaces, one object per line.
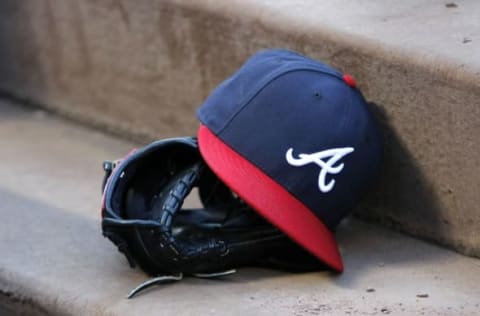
{"x":55,"y":261}
{"x":141,"y":68}
{"x":6,"y":312}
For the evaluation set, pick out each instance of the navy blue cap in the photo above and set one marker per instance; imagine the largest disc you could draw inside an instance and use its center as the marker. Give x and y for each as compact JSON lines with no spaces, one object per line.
{"x":294,"y":138}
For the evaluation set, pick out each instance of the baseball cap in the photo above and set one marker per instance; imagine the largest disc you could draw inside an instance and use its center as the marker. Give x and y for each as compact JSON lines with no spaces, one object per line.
{"x":295,"y":139}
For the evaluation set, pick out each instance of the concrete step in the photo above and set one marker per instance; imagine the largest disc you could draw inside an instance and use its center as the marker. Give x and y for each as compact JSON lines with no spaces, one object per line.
{"x":140,"y":68}
{"x":54,"y":260}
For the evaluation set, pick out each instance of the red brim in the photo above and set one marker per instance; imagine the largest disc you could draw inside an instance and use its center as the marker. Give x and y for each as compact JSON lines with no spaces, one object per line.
{"x":269,"y":199}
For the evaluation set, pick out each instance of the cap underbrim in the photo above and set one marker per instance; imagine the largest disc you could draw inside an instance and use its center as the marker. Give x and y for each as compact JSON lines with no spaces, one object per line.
{"x":269,"y":199}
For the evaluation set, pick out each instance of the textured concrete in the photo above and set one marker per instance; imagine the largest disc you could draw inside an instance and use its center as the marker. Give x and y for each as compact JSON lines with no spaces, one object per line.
{"x":6,"y":311}
{"x":55,"y":261}
{"x":142,"y":67}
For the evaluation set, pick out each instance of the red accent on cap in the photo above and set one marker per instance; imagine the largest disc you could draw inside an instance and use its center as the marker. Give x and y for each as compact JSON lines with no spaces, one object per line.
{"x":350,"y":80}
{"x":270,"y":199}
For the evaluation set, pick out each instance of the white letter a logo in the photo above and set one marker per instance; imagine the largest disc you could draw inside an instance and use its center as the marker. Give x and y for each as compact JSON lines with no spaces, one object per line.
{"x":326,"y":167}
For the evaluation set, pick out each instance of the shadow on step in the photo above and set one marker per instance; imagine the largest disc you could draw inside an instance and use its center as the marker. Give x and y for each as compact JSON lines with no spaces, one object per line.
{"x":403,"y":199}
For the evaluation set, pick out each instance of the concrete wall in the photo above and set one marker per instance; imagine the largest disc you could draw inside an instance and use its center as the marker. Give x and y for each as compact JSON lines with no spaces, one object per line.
{"x":141,"y":68}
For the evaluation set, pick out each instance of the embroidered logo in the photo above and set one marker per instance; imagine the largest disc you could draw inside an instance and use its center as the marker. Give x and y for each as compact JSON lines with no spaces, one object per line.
{"x":332,"y":156}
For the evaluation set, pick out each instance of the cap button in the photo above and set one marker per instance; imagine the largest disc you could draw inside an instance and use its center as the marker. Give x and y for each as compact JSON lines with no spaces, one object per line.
{"x":349,"y":80}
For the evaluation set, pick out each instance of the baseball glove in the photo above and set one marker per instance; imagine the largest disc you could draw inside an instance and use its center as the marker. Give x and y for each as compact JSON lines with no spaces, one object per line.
{"x":142,"y":215}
